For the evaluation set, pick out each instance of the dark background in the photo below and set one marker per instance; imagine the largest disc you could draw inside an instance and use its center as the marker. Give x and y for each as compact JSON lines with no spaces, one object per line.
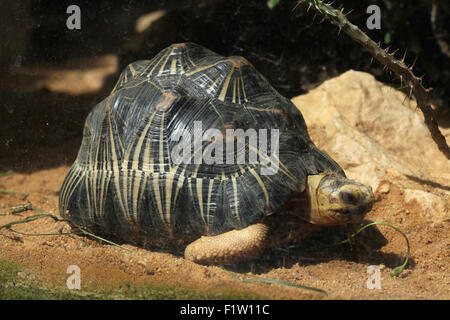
{"x":287,"y":44}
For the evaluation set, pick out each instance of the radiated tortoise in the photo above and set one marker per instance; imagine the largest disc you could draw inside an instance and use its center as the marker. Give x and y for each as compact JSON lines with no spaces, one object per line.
{"x":195,"y":149}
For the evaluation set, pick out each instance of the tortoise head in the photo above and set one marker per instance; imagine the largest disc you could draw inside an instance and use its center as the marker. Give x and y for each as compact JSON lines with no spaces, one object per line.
{"x":334,"y":200}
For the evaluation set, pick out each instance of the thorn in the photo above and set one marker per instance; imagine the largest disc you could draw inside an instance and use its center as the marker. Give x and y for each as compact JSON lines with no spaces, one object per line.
{"x":371,"y":60}
{"x":401,"y":82}
{"x":404,"y":99}
{"x":394,"y":52}
{"x":404,"y":55}
{"x":307,"y":10}
{"x":412,"y":66}
{"x":348,"y":12}
{"x":410,"y":91}
{"x":339,"y":31}
{"x":322,"y":20}
{"x":387,"y":49}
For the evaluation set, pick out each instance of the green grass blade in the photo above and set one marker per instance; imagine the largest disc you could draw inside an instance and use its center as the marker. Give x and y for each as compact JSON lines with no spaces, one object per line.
{"x":45,"y":214}
{"x":14,"y":192}
{"x":104,"y":240}
{"x":397,"y":270}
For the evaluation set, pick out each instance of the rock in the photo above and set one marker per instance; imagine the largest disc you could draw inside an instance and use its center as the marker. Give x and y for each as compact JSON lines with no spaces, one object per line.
{"x":434,"y":207}
{"x":377,"y":134}
{"x":384,"y":187}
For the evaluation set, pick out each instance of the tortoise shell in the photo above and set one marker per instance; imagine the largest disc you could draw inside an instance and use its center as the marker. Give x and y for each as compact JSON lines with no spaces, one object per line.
{"x":125,"y":181}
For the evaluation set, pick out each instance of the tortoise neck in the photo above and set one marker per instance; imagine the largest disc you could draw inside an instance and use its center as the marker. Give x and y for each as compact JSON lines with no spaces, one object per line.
{"x":299,"y":205}
{"x":304,"y":204}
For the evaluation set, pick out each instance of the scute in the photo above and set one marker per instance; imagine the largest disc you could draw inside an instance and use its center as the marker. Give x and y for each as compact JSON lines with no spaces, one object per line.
{"x":125,"y":181}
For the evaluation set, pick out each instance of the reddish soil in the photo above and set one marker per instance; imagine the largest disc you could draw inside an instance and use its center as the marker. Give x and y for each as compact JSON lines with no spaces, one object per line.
{"x":340,"y":270}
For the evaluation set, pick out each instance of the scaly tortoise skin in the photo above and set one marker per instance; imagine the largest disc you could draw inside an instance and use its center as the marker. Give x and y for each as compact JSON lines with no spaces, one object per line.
{"x":124,"y":182}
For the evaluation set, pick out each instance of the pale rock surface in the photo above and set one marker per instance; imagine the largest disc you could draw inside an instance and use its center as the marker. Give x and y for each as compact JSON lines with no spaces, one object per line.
{"x":377,"y":134}
{"x":433,"y":206}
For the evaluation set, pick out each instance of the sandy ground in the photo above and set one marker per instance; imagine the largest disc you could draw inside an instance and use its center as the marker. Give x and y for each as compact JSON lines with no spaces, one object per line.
{"x":340,"y":270}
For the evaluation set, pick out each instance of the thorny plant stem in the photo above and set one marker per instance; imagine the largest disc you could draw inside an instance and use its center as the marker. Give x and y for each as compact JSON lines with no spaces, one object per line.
{"x":400,"y":69}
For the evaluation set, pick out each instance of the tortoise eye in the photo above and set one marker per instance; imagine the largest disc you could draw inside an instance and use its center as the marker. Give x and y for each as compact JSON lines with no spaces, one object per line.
{"x":348,"y":197}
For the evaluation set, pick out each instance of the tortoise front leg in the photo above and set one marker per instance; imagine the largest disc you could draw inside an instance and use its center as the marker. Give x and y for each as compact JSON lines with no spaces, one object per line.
{"x":236,"y":245}
{"x":230,"y":246}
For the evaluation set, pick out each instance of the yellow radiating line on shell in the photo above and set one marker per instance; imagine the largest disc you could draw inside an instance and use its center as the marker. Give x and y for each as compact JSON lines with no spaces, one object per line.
{"x":203,"y":68}
{"x":155,"y":179}
{"x":211,"y":183}
{"x":283,"y":168}
{"x":217,"y":111}
{"x":95,"y":181}
{"x":137,"y":84}
{"x":224,"y":90}
{"x":223,"y":175}
{"x":262,"y":185}
{"x":75,"y":179}
{"x":105,"y":181}
{"x":88,"y":196}
{"x":161,"y":143}
{"x":115,"y":87}
{"x":105,"y":178}
{"x":238,"y":91}
{"x":189,"y":58}
{"x":94,"y":189}
{"x":138,"y":148}
{"x":235,"y":195}
{"x":154,"y":67}
{"x":88,"y":176}
{"x":163,"y":65}
{"x":213,"y":86}
{"x":115,"y":122}
{"x":260,"y":109}
{"x":173,"y":66}
{"x":234,"y":91}
{"x":199,"y":183}
{"x":65,"y":188}
{"x":169,"y":185}
{"x":242,"y":84}
{"x":137,"y":183}
{"x":115,"y":166}
{"x":196,"y":171}
{"x":181,"y":67}
{"x":133,"y":71}
{"x":125,"y":191}
{"x":179,"y":183}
